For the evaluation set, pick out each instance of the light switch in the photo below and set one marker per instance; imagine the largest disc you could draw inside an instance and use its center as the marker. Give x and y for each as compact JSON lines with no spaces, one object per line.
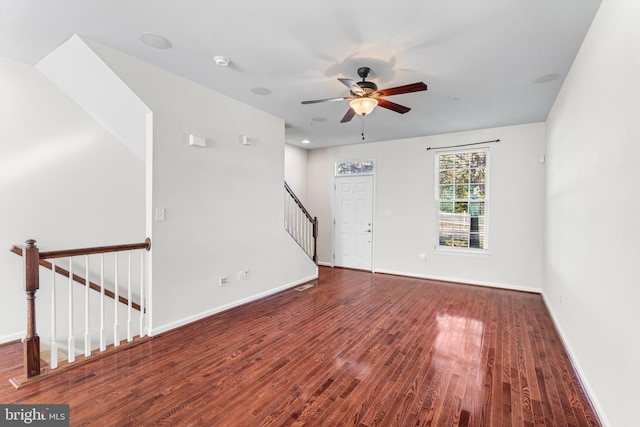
{"x":160,"y":214}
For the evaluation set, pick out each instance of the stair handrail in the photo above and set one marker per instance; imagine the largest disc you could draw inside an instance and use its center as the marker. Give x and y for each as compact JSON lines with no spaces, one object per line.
{"x":16,"y":249}
{"x":313,"y":220}
{"x":33,"y":258}
{"x":298,"y":202}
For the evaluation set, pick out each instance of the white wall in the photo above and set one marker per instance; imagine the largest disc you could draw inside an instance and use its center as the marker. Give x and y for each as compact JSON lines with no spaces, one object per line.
{"x":295,"y":170}
{"x":592,"y":252}
{"x":80,"y":73}
{"x":224,"y":203}
{"x":64,"y":181}
{"x":404,"y":186}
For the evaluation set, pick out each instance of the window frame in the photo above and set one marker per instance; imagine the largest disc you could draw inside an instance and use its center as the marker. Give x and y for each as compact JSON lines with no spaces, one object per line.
{"x":368,"y":159}
{"x":487,"y":168}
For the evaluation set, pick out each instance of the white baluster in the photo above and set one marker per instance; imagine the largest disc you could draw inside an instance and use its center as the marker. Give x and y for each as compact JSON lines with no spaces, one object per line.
{"x":299,"y":223}
{"x":54,"y":344}
{"x":291,"y":221}
{"x":142,"y":296}
{"x":103,"y":340}
{"x":288,"y":213}
{"x":293,"y":218}
{"x":286,"y":206}
{"x":87,"y":288}
{"x":71,"y":353}
{"x":306,"y":234}
{"x":295,"y":221}
{"x":129,"y":320}
{"x":116,"y":339}
{"x":291,"y":212}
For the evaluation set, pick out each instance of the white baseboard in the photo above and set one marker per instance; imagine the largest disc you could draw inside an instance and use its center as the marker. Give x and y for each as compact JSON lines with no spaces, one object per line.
{"x":199,"y":316}
{"x":13,"y":337}
{"x":576,"y":367}
{"x":325,"y":264}
{"x":463,"y":281}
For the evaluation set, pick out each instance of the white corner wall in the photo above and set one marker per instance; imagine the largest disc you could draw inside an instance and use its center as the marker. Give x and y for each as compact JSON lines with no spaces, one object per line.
{"x":80,"y":73}
{"x":591,"y":285}
{"x":404,"y":187}
{"x":224,"y":202}
{"x":295,"y":170}
{"x":64,"y":181}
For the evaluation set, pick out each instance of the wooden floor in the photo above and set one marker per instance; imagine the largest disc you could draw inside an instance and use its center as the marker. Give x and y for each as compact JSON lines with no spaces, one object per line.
{"x":360,"y":349}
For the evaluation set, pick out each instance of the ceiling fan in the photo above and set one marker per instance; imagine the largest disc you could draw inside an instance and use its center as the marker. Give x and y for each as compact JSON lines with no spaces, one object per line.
{"x":365,"y":96}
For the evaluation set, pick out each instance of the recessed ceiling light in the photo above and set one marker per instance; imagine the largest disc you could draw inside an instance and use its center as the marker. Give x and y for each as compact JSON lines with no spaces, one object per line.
{"x":306,"y":141}
{"x":261,"y":91}
{"x":155,"y":40}
{"x":222,"y":61}
{"x":546,"y":78}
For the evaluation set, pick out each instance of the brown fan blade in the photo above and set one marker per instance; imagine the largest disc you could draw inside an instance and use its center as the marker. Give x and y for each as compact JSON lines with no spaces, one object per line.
{"x":316,"y":101}
{"x":347,"y":117}
{"x":413,"y":87}
{"x":392,"y":106}
{"x":353,"y":86}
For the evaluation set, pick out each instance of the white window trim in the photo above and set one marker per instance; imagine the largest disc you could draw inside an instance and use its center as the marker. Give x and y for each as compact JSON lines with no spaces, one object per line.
{"x":482,"y":252}
{"x":363,"y":159}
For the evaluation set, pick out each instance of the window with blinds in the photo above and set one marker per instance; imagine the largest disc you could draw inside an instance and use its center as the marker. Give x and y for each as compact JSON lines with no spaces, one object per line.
{"x":462,"y":199}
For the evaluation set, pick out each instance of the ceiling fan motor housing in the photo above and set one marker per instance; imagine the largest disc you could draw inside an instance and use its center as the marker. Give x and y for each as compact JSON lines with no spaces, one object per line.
{"x":368,"y":87}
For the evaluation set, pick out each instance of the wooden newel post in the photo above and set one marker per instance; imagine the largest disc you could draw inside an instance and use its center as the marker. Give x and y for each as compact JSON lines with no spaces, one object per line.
{"x":32,"y":281}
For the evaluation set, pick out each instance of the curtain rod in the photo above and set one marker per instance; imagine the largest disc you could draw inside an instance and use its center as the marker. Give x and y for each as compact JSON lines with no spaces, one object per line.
{"x":465,"y":145}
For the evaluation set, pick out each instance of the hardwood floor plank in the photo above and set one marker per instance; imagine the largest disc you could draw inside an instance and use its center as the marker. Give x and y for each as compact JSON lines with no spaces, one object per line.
{"x":359,"y":349}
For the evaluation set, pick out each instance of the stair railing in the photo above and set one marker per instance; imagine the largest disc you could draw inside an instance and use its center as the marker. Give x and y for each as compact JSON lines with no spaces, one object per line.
{"x":300,"y":224}
{"x":34,"y":259}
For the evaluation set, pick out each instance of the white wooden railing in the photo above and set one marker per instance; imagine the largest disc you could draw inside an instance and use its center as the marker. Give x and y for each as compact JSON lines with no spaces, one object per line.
{"x":300,"y":224}
{"x":108,"y":272}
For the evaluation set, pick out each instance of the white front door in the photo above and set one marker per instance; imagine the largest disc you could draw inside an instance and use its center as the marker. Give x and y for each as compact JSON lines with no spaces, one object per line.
{"x":353,"y":221}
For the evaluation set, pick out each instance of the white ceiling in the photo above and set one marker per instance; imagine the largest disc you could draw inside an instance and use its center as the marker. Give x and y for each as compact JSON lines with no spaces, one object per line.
{"x":485,"y":62}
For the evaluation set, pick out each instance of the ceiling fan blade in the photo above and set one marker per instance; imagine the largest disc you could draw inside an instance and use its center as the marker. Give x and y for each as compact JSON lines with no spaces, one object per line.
{"x":316,"y":101}
{"x":353,"y":86}
{"x":347,"y":117}
{"x":413,"y":87}
{"x":392,"y":106}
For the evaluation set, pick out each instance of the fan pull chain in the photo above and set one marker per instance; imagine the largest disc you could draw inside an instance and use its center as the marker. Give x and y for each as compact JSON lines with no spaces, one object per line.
{"x":363,"y":127}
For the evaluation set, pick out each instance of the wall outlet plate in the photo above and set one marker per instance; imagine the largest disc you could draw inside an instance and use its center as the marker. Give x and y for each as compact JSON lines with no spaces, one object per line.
{"x":243,"y":274}
{"x":224,"y":280}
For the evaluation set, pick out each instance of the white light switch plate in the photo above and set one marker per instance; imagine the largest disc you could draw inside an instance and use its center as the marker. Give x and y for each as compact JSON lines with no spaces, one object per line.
{"x":160,"y":214}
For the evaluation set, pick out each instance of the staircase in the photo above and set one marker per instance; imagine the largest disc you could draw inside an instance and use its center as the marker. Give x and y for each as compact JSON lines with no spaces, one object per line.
{"x":87,"y":313}
{"x":300,"y":224}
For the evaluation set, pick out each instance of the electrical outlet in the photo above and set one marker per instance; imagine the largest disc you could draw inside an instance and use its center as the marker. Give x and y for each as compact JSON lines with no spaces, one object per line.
{"x":224,"y":280}
{"x":243,"y":274}
{"x":422,"y":257}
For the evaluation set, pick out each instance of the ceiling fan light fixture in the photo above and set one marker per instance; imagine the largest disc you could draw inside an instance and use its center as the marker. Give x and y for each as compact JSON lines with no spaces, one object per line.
{"x":363,"y":106}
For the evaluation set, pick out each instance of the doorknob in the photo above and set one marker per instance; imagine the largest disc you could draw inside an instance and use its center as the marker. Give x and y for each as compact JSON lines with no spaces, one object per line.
{"x":367,"y":231}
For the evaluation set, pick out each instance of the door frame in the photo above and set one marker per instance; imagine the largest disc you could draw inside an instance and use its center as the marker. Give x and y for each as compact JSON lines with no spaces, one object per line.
{"x":373,"y":204}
